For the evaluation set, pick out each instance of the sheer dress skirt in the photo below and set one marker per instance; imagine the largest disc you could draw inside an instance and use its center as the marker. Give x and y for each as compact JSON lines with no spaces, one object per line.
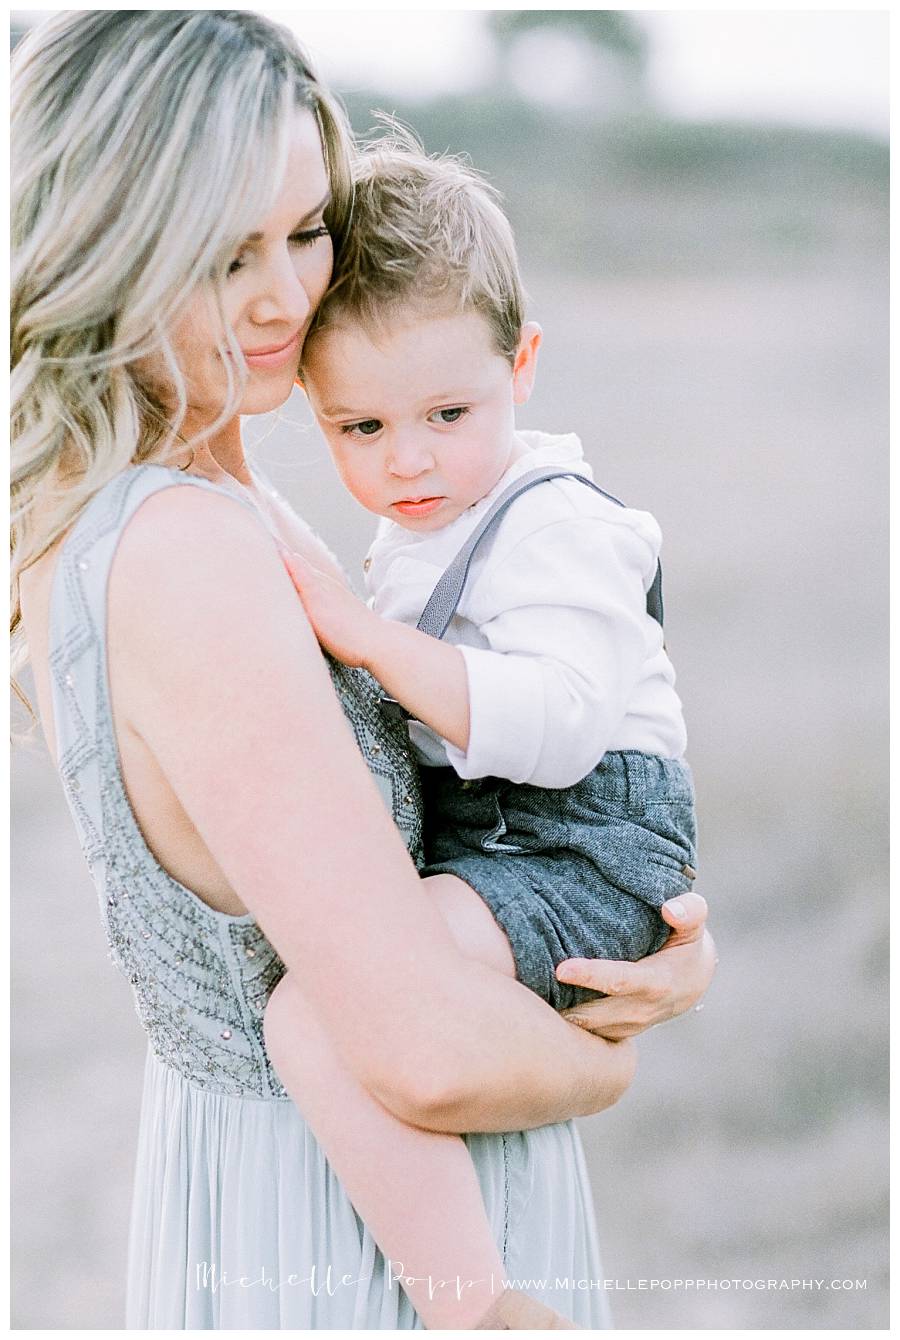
{"x":238,"y":1221}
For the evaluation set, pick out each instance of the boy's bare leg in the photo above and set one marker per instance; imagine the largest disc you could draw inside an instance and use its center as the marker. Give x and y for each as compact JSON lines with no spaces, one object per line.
{"x":475,"y":931}
{"x":416,"y":1190}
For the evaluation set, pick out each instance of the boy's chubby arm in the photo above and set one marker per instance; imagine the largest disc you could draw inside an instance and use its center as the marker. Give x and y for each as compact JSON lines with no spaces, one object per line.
{"x":427,"y":676}
{"x":563,"y":616}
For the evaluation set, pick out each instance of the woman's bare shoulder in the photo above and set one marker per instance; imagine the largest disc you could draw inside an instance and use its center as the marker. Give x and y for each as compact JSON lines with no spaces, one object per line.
{"x":189,"y":520}
{"x":194,"y":564}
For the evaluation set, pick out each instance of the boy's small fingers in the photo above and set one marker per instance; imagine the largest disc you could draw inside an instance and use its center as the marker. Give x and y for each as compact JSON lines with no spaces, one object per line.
{"x":296,"y":565}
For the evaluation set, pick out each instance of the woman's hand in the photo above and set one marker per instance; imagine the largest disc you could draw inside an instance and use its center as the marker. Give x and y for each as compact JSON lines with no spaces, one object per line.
{"x":656,"y":988}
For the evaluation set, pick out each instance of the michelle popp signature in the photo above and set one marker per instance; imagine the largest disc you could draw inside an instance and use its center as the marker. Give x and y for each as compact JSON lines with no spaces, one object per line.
{"x":324,"y":1281}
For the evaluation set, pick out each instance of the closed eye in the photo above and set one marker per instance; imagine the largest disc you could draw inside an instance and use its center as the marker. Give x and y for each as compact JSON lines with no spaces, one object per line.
{"x":304,"y":237}
{"x":308,"y":236}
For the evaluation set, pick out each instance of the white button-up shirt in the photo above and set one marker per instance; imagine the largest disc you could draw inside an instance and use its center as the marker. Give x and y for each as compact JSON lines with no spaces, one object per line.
{"x":562,"y":660}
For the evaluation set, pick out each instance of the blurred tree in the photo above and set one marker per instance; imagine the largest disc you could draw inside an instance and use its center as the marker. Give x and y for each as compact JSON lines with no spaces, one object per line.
{"x":612,"y":28}
{"x":592,"y":57}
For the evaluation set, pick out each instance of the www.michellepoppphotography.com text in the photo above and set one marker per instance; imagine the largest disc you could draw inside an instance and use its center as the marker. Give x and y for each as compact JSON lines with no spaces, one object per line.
{"x":326,"y":1281}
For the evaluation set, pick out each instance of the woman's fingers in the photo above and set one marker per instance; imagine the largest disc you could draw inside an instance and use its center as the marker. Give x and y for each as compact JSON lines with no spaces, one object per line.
{"x":594,"y":1020}
{"x":654,"y":989}
{"x":637,"y":995}
{"x":617,"y":1017}
{"x":612,"y":977}
{"x":686,"y":914}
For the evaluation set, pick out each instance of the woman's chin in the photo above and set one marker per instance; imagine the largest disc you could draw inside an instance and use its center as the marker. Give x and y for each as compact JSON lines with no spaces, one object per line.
{"x":265,"y":393}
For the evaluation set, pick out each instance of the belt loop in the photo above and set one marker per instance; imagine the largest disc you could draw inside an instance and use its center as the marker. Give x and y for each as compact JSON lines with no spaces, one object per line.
{"x":635,"y":780}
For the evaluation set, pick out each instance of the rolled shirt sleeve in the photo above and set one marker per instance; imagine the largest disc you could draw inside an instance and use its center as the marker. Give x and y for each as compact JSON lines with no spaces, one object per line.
{"x":564,"y":618}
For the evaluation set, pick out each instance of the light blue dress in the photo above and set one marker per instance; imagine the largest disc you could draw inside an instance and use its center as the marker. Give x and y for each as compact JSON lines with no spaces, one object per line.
{"x":237,"y":1219}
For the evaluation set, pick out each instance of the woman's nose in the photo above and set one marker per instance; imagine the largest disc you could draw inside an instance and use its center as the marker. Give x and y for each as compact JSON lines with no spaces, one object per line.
{"x":282,"y":295}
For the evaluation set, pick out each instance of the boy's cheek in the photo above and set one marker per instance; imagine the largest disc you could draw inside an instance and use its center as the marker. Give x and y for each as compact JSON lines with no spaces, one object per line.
{"x":358,"y":482}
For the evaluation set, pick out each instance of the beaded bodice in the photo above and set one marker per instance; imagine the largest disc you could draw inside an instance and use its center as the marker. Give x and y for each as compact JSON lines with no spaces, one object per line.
{"x":201,"y":978}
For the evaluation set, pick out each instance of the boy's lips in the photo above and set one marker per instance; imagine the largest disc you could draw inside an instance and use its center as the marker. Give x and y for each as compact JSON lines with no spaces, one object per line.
{"x":418,"y":506}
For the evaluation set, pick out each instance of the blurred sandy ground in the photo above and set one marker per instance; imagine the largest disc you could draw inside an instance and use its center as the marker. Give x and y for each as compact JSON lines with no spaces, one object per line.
{"x":737,"y":389}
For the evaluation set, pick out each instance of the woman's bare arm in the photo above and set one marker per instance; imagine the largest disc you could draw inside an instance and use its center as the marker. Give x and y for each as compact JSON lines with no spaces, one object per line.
{"x":221,"y":676}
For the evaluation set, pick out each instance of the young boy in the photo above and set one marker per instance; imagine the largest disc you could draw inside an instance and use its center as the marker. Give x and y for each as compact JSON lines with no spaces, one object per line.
{"x":559,"y":810}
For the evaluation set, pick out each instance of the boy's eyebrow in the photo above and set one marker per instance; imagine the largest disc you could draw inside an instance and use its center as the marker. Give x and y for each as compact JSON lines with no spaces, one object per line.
{"x":447,"y":399}
{"x":337,"y":412}
{"x":342,"y":412}
{"x":307,"y":217}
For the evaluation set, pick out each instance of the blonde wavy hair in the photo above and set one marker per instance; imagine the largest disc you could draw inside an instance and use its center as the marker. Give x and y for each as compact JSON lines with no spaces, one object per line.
{"x":428,"y":234}
{"x":146,"y":145}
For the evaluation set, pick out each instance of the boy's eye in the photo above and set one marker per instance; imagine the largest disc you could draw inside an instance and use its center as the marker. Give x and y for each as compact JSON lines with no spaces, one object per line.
{"x":452,"y":415}
{"x":364,"y":428}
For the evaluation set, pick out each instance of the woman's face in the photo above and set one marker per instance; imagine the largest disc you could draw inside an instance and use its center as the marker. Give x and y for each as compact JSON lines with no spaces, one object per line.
{"x":275,"y":282}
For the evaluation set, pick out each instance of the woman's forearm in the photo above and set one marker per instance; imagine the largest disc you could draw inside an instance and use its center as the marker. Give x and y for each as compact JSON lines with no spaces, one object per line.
{"x":533,"y":1070}
{"x":519,"y":1065}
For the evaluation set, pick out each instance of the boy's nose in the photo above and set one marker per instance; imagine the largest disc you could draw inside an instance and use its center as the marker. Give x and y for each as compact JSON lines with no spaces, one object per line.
{"x":408,"y":460}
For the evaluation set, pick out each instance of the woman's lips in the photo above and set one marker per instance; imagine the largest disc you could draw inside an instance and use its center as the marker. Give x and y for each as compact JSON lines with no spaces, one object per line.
{"x":418,"y":506}
{"x":275,"y":355}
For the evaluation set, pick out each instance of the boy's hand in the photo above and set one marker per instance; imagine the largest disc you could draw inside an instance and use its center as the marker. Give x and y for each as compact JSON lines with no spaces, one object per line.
{"x":424,"y":674}
{"x":344,"y":625}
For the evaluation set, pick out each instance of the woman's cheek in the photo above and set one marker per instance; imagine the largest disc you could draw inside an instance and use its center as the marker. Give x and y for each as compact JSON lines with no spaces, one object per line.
{"x":317,"y":276}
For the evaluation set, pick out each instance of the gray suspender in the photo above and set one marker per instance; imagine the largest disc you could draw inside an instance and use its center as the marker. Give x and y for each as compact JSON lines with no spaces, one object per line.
{"x":444,"y":599}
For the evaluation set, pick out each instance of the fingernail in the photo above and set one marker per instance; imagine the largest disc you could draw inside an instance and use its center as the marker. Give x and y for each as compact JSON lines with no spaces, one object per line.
{"x":677,"y":910}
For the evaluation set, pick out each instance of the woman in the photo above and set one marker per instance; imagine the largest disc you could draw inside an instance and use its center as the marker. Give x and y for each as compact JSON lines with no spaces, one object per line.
{"x":180,"y":181}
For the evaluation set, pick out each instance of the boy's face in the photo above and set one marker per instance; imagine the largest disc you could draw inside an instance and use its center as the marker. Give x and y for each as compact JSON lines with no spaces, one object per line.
{"x":419,"y":418}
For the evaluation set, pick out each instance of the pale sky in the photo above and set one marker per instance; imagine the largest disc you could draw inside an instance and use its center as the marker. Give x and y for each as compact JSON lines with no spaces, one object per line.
{"x":796,"y":66}
{"x":808,"y":67}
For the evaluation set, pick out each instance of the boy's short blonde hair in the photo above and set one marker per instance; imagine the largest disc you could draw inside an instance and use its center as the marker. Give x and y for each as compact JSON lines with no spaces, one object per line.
{"x":426,"y":233}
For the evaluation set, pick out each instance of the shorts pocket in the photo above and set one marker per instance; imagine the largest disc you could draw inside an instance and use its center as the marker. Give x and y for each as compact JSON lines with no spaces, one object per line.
{"x":640,"y":859}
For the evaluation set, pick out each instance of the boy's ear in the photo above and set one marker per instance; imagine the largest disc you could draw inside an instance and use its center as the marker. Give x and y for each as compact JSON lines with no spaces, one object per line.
{"x":525,"y":361}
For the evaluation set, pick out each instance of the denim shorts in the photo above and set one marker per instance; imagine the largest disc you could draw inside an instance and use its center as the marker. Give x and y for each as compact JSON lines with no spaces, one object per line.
{"x":574,"y":873}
